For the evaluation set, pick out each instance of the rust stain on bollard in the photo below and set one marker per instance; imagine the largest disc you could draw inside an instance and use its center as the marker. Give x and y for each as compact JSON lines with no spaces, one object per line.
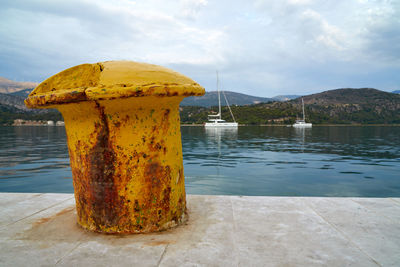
{"x":123,"y":129}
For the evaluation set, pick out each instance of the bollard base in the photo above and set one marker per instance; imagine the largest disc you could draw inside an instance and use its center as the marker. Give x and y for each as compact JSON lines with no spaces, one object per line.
{"x":149,"y":229}
{"x":127,"y":166}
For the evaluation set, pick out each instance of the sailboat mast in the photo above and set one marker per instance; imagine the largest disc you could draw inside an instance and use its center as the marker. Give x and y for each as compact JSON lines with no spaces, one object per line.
{"x":304,"y":115}
{"x":219,"y":98}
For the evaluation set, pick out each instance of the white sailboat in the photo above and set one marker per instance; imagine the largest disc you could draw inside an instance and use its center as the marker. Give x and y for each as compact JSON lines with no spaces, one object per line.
{"x":302,"y":123}
{"x":216,"y":120}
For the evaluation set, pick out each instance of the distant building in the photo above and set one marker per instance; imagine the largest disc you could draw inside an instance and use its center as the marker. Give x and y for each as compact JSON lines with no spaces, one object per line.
{"x":20,"y":122}
{"x":50,"y":123}
{"x":60,"y":123}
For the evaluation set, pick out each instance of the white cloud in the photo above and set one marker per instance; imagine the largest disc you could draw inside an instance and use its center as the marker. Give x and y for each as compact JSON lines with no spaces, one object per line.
{"x":190,"y":8}
{"x":300,"y":2}
{"x":263,"y":47}
{"x":319,"y":31}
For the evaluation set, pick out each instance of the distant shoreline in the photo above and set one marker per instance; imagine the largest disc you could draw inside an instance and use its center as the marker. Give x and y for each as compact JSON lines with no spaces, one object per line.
{"x":36,"y":125}
{"x":245,"y":125}
{"x":289,"y":125}
{"x":21,"y":122}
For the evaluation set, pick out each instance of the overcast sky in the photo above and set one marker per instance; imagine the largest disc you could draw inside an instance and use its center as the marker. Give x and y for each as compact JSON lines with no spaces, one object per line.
{"x":262,"y":47}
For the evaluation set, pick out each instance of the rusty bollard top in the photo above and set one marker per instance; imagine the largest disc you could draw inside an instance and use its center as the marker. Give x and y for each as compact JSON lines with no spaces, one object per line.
{"x":124,"y":142}
{"x":110,"y":80}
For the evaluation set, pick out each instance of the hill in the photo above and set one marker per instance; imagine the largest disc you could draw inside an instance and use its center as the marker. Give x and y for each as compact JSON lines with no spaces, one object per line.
{"x":12,"y":107}
{"x":285,"y":97}
{"x":22,"y":93}
{"x":348,"y":105}
{"x":9,"y":113}
{"x":8,"y":86}
{"x":211,"y":99}
{"x":340,"y":106}
{"x":364,"y":105}
{"x":349,"y":96}
{"x":12,"y":101}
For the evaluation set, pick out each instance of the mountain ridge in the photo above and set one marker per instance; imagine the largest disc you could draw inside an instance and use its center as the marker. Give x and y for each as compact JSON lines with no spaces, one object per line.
{"x":8,"y":86}
{"x":337,"y":106}
{"x":13,"y":101}
{"x":211,"y":99}
{"x":347,"y":96}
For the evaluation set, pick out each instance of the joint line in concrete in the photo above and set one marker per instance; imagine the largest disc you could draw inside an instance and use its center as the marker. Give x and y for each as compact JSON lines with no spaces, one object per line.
{"x":37,"y":212}
{"x":162,"y":255}
{"x":234,"y":231}
{"x":69,"y":252}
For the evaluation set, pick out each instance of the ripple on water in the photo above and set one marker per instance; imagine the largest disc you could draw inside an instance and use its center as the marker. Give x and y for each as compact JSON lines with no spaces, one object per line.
{"x":322,"y":161}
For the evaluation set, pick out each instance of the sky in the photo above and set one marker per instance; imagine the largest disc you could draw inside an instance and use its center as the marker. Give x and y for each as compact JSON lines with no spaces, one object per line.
{"x":261,"y":47}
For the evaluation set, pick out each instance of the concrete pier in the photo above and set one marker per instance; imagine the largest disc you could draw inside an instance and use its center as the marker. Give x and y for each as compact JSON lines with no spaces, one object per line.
{"x":41,"y":230}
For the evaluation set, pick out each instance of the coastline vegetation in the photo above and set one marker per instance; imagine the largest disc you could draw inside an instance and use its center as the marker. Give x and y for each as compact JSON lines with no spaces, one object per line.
{"x":276,"y":113}
{"x":9,"y":114}
{"x":283,"y":113}
{"x":339,"y":107}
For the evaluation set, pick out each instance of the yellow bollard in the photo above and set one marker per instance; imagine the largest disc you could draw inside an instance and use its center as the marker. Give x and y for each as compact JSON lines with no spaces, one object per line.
{"x":124,"y":141}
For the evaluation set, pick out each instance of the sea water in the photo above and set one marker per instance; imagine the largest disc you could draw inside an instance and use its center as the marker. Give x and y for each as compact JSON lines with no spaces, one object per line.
{"x":343,"y":161}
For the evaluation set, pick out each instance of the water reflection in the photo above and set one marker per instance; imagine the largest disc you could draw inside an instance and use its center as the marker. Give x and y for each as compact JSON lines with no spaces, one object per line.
{"x":225,"y":132}
{"x":300,"y":134}
{"x":34,"y":159}
{"x":321,"y":161}
{"x":218,"y":134}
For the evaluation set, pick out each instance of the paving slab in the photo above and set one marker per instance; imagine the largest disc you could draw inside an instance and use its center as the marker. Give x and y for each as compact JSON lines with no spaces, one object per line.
{"x":286,"y":232}
{"x":41,"y":230}
{"x":15,"y":209}
{"x":385,"y":207}
{"x":361,"y":222}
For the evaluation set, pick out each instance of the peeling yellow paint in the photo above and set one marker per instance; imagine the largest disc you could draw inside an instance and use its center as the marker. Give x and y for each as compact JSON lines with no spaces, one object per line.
{"x":110,"y":80}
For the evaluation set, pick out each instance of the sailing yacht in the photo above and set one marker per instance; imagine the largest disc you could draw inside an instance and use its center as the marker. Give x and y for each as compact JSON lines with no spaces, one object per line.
{"x":216,"y":120}
{"x":302,"y":123}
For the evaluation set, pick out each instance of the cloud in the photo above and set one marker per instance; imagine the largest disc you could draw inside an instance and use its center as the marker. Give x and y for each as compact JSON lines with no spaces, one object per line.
{"x":190,"y":9}
{"x":263,"y":47}
{"x":317,"y":30}
{"x":382,"y":33}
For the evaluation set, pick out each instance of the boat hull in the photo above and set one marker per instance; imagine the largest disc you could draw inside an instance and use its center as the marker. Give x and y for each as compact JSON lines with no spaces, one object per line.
{"x":303,"y":125}
{"x":221,"y":125}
